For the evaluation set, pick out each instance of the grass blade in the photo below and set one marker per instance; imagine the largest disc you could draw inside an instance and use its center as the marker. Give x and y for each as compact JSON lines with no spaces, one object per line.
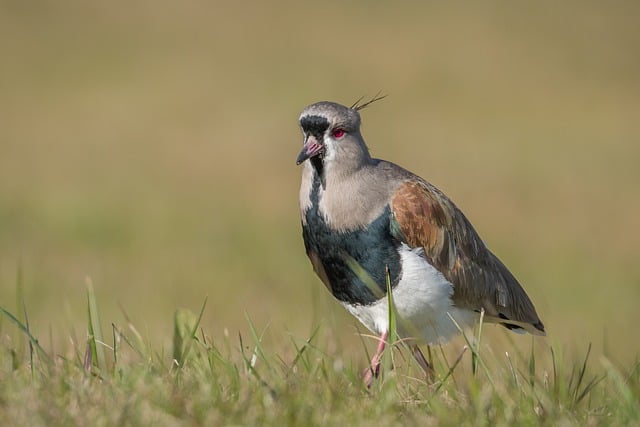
{"x":392,"y":336}
{"x":258,"y":350}
{"x":26,"y":324}
{"x":43,"y":354}
{"x":300,"y":350}
{"x":185,"y":342}
{"x":532,"y":365}
{"x":474,"y":351}
{"x":97,"y":357}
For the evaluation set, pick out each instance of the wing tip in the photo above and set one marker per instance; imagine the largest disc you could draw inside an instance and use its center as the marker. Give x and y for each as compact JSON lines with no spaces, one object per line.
{"x":518,"y":327}
{"x":539,"y":329}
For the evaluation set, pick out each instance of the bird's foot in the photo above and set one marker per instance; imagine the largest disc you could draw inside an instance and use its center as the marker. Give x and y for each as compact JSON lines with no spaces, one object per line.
{"x":373,"y":371}
{"x":370,"y":374}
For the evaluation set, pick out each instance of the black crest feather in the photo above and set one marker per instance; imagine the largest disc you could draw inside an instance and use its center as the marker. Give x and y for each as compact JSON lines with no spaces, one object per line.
{"x":359,"y":106}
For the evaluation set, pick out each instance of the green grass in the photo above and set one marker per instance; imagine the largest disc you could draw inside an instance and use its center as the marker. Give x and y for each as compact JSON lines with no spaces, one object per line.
{"x":239,"y":380}
{"x":148,"y":149}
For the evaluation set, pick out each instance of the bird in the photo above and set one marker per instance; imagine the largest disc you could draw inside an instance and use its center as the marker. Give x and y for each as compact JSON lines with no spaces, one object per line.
{"x":367,"y":221}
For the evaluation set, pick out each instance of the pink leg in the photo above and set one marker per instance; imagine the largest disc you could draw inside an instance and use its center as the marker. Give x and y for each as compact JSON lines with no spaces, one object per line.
{"x":374,"y":370}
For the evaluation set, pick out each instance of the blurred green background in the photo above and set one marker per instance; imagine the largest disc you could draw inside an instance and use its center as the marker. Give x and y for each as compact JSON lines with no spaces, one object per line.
{"x":150,"y":146}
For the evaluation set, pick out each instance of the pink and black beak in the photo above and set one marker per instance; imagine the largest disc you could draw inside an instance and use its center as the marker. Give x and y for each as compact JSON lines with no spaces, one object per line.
{"x":311,"y":148}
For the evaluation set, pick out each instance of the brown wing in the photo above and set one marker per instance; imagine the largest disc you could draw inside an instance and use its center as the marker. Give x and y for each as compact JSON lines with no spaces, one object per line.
{"x":425,"y":217}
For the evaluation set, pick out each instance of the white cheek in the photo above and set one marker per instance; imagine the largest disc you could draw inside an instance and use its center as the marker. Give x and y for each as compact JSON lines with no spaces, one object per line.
{"x":330,"y":145}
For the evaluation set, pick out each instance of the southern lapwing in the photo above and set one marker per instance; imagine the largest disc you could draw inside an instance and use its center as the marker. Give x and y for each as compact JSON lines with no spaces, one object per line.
{"x":365,"y":220}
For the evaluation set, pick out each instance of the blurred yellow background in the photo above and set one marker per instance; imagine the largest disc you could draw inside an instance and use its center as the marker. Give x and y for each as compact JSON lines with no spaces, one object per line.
{"x":151,"y":147}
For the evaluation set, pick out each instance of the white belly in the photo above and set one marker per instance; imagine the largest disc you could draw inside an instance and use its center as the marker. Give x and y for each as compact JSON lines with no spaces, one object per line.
{"x":423,"y":304}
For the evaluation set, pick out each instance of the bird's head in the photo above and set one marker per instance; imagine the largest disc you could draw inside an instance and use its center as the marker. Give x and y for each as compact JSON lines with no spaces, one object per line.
{"x":331,"y":136}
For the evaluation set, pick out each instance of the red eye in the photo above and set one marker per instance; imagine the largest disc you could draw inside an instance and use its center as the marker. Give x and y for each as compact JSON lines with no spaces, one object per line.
{"x":338,"y":133}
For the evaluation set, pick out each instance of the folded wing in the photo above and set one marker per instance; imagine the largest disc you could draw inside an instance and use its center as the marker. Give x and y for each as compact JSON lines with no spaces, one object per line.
{"x":424,"y":217}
